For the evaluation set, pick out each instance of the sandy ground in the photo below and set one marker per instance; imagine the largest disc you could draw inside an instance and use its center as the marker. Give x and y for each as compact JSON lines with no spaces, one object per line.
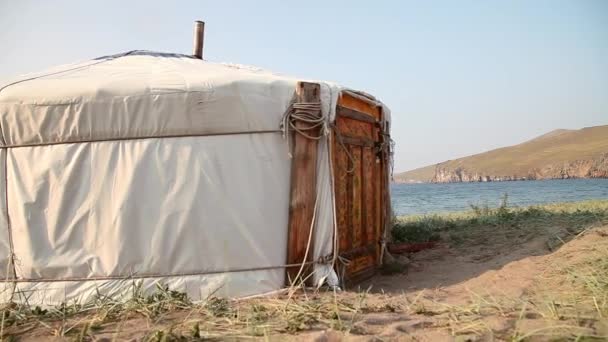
{"x":486,"y":274}
{"x":450,"y":293}
{"x":457,"y":271}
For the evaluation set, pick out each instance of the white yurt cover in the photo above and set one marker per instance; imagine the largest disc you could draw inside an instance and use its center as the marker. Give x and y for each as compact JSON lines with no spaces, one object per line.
{"x":149,"y":167}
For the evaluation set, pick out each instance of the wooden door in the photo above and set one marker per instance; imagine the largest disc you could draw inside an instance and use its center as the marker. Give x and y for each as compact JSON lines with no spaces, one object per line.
{"x":361,"y":182}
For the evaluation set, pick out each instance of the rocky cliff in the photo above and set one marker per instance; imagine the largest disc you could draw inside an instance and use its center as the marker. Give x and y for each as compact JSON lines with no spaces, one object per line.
{"x":593,"y":168}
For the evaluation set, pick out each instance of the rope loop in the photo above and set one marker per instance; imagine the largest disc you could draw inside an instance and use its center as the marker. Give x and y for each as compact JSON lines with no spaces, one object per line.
{"x":308,"y":112}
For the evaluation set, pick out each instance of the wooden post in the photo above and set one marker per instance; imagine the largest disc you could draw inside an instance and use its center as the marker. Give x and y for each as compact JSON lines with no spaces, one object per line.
{"x":303,"y":188}
{"x":199,"y":39}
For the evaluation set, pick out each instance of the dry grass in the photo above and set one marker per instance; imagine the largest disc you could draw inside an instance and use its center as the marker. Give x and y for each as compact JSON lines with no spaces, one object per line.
{"x":169,"y":316}
{"x":568,"y":302}
{"x":574,"y":311}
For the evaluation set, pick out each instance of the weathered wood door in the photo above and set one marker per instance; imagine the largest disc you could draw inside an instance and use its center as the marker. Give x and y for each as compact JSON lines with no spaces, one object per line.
{"x":360,"y":185}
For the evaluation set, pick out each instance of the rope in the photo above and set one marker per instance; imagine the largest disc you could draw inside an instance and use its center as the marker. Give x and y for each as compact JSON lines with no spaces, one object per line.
{"x":346,"y":151}
{"x":142,"y":137}
{"x":303,"y":112}
{"x":310,"y":113}
{"x":144,"y":275}
{"x":74,"y":68}
{"x":336,"y":245}
{"x":308,"y":244}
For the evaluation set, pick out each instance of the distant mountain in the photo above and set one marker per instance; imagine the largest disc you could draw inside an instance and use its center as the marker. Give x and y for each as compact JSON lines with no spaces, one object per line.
{"x":558,"y":154}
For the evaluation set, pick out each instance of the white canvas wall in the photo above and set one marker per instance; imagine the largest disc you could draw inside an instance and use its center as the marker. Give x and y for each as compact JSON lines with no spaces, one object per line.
{"x":5,"y":250}
{"x":152,"y":208}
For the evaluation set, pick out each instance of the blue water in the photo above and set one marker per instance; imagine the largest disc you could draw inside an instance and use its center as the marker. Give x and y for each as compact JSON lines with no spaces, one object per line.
{"x":409,"y":199}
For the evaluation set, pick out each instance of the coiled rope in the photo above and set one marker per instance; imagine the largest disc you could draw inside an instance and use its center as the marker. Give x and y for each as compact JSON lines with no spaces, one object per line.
{"x":308,"y":112}
{"x":303,"y":112}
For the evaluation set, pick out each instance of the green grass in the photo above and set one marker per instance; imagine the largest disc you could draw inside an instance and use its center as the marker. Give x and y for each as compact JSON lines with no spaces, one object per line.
{"x":563,"y":219}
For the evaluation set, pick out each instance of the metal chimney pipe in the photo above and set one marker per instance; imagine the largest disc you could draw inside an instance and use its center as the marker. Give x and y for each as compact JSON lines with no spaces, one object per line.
{"x":199,"y":38}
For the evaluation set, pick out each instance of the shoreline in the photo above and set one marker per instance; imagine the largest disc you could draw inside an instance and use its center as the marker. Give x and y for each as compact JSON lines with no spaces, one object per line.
{"x":418,"y":199}
{"x":497,"y":181}
{"x":565,"y":206}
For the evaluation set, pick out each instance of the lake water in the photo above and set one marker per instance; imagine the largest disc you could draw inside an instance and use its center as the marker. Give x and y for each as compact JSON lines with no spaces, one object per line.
{"x":411,"y":199}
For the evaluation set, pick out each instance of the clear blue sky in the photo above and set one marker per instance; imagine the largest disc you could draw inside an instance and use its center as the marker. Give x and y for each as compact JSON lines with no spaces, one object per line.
{"x":461,"y":77}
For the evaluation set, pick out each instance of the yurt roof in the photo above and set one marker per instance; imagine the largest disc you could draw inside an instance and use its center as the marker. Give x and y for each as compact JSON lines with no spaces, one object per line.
{"x":143,"y":94}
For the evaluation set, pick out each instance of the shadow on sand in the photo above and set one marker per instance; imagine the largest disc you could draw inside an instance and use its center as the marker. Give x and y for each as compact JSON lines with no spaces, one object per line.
{"x":483,"y":240}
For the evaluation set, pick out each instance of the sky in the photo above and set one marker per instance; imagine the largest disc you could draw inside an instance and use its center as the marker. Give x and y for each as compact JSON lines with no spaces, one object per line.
{"x":460,"y":77}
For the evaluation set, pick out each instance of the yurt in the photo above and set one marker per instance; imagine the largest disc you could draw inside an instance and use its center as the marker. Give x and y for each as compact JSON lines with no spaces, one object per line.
{"x":209,"y":178}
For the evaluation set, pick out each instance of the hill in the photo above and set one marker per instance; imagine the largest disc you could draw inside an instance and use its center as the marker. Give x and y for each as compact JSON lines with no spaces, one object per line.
{"x":561,"y":153}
